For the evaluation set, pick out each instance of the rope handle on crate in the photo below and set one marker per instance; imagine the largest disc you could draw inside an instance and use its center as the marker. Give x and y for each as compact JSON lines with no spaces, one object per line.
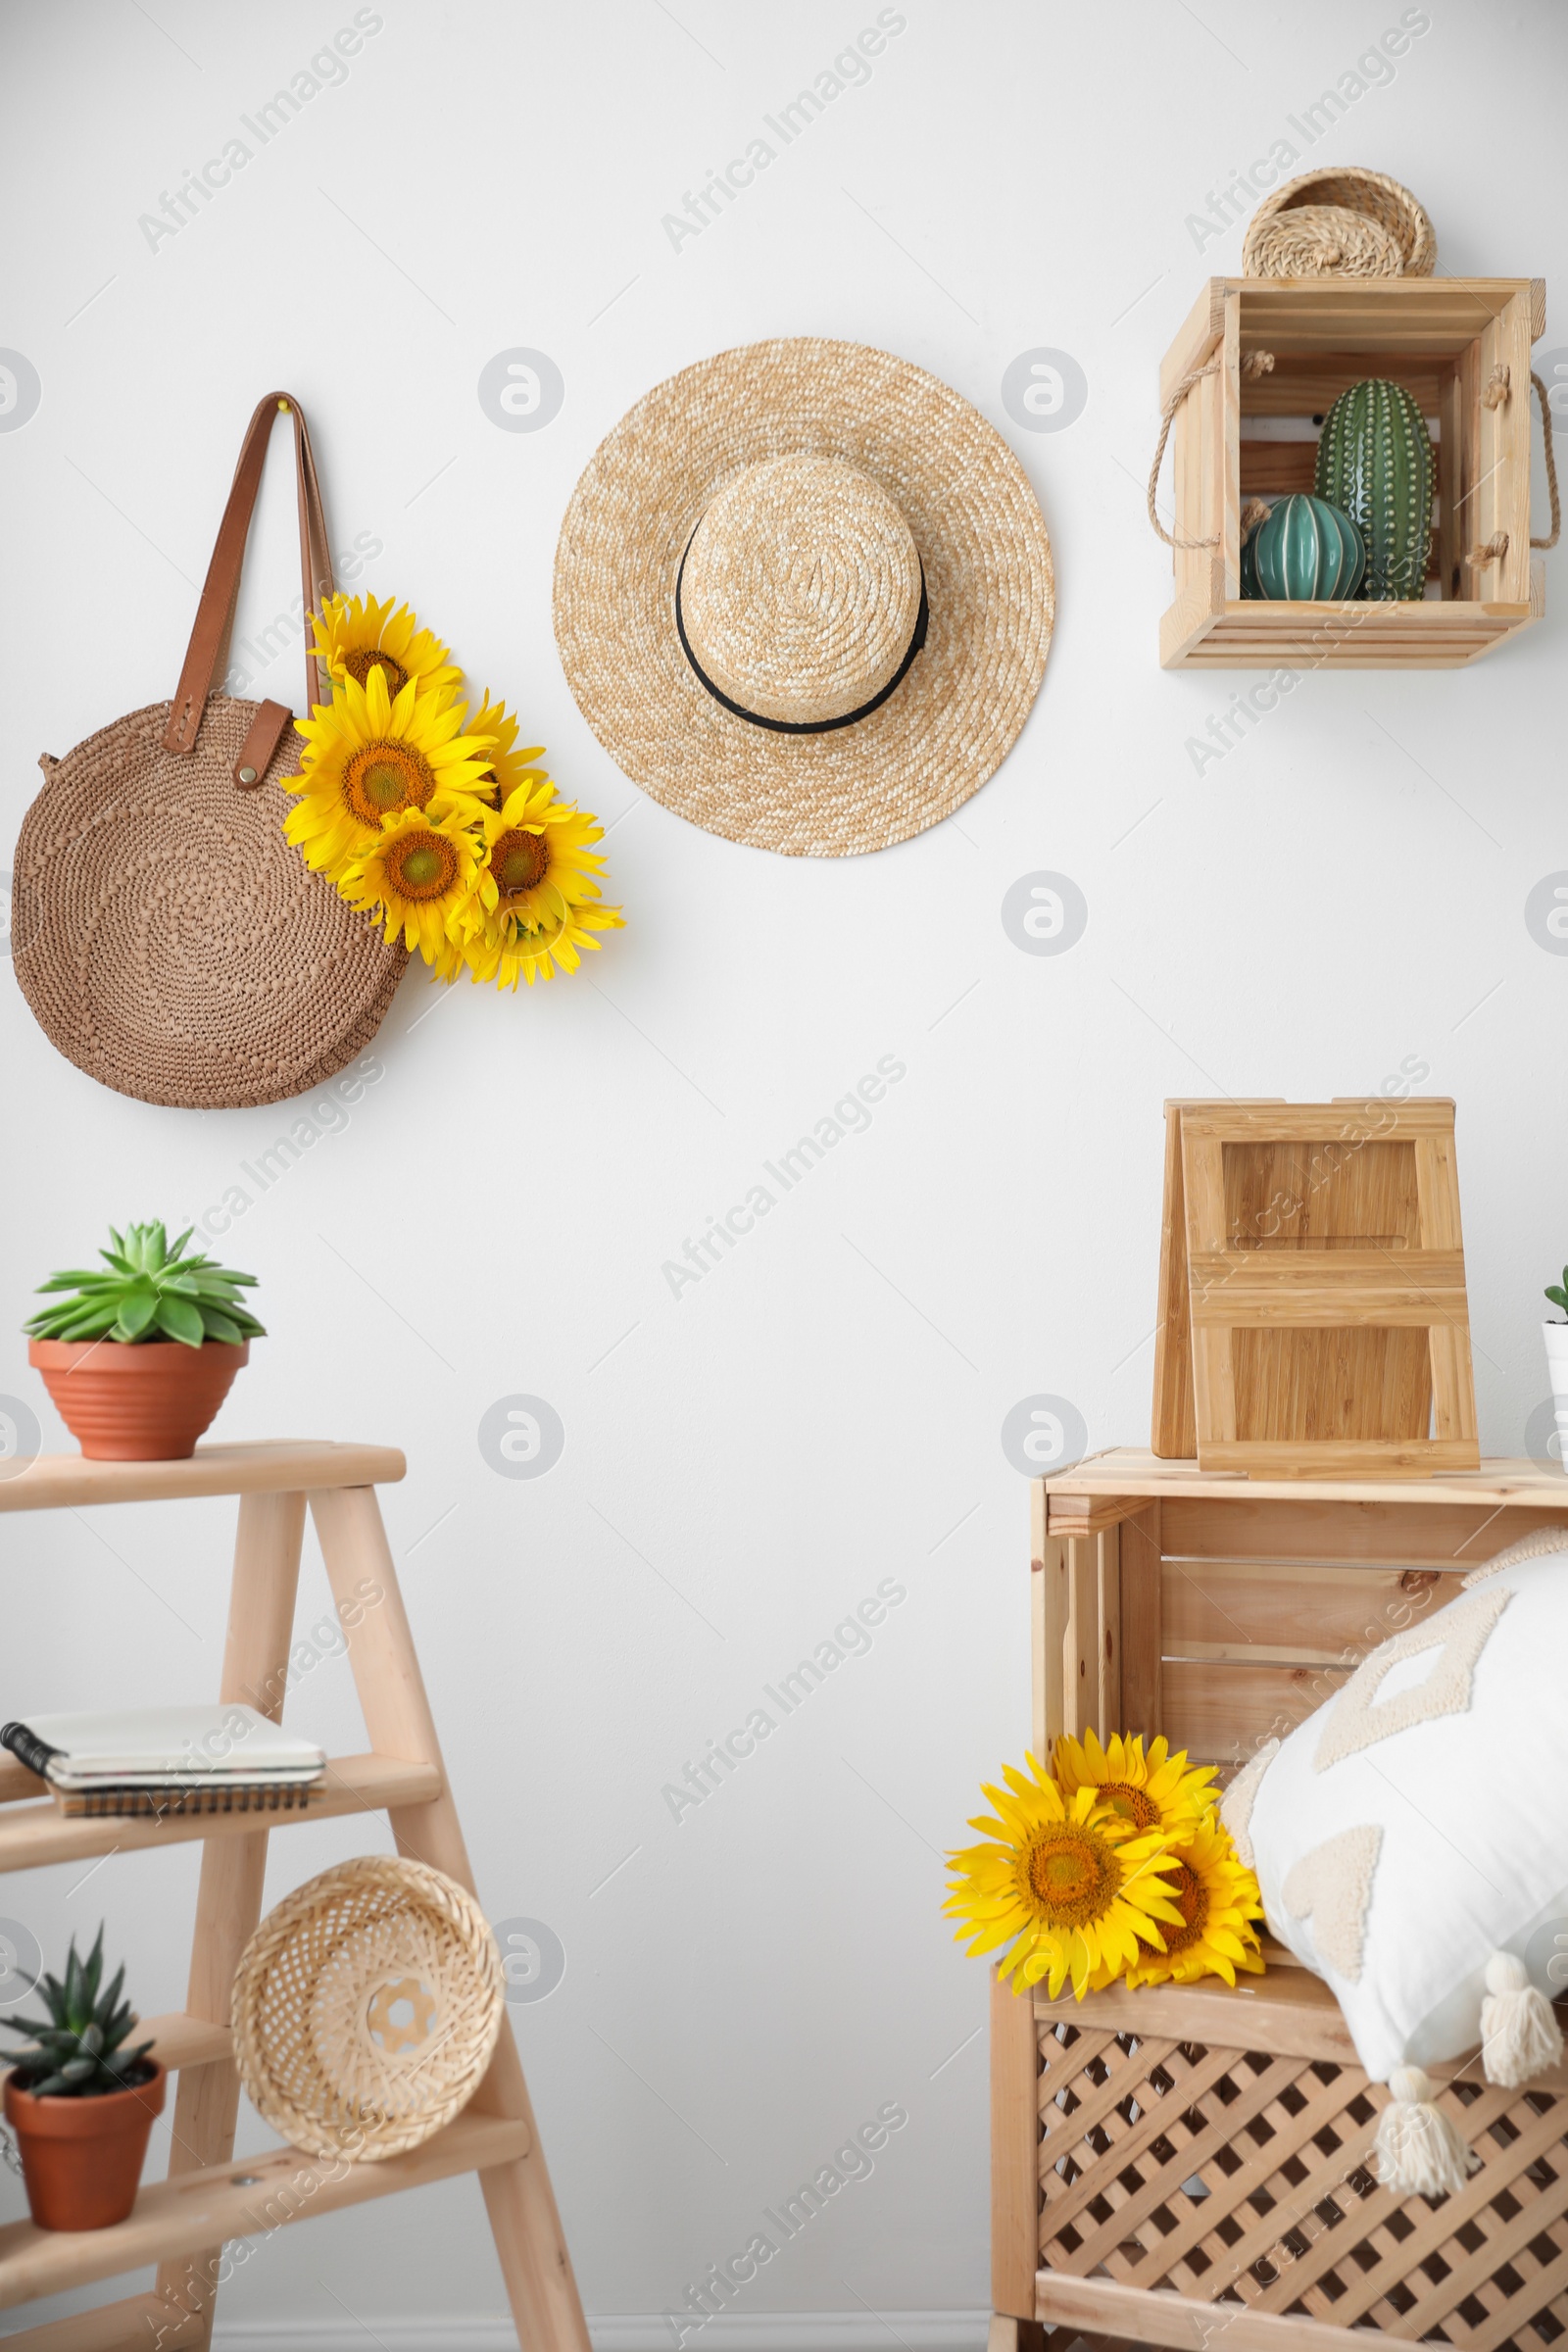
{"x":1254,"y":364}
{"x":1498,"y":389}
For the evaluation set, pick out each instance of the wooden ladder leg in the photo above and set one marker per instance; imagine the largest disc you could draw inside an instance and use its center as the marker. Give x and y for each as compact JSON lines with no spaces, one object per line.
{"x":520,"y":2201}
{"x":229,"y":1901}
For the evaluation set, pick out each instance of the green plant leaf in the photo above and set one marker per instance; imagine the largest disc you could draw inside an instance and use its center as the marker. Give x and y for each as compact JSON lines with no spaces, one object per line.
{"x":89,"y":1326}
{"x":31,"y":2029}
{"x":137,"y":1310}
{"x":219,"y":1326}
{"x":180,"y":1320}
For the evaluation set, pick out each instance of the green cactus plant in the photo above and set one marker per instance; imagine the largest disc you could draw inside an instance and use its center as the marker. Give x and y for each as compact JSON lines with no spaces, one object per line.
{"x":1374,"y":461}
{"x":151,"y":1292}
{"x":80,"y":2052}
{"x":1557,"y":1292}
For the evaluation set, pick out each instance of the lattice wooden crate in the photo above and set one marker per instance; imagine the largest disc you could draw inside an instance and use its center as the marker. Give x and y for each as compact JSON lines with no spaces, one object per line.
{"x":1445,"y":339}
{"x":1217,"y":2148}
{"x":1182,"y":2165}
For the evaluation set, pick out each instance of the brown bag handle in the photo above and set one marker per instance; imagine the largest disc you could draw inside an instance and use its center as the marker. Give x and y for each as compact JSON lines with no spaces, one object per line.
{"x":222,"y":586}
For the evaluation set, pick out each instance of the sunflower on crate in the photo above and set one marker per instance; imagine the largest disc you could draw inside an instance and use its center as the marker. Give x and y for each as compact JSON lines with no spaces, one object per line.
{"x":450,"y":836}
{"x":1113,"y":1864}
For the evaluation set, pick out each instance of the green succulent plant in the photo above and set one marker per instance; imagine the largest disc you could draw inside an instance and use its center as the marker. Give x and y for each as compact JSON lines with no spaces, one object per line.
{"x":150,"y":1292}
{"x":80,"y":2049}
{"x":1557,"y":1292}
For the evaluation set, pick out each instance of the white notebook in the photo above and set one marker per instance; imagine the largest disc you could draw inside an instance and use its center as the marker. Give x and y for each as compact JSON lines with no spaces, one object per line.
{"x":173,"y":1745}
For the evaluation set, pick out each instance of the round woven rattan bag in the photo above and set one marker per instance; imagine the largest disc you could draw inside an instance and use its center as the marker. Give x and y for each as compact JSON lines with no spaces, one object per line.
{"x":169,"y":941}
{"x":366,"y":2006}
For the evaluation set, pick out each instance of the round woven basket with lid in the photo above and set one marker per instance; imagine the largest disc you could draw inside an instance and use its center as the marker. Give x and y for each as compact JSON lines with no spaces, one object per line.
{"x":1356,"y":190}
{"x":366,"y":2007}
{"x":1320,"y":240}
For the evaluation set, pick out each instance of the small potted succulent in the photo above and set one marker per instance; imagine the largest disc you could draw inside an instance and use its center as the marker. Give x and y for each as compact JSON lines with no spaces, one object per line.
{"x":1556,"y":1338}
{"x":142,"y":1354}
{"x":80,"y":2104}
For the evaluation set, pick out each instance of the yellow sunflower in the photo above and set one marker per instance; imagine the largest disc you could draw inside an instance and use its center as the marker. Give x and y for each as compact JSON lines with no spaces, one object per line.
{"x":418,"y":877}
{"x":1071,"y":1883}
{"x":507,"y":764}
{"x":1220,"y":1901}
{"x":355,"y":635}
{"x":538,"y":864}
{"x":1158,"y":1789}
{"x":368,"y":757}
{"x":498,"y":947}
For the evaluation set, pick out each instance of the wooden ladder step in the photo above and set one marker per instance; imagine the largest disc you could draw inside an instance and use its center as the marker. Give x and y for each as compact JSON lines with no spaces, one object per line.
{"x":59,"y":1482}
{"x":135,"y":2325}
{"x":247,"y":2197}
{"x":180,"y":2040}
{"x":31,"y":1835}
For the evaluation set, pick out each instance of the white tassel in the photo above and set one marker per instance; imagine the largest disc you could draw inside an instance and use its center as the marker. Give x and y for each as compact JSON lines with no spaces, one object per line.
{"x":1519,"y":2034}
{"x":1420,"y":2152}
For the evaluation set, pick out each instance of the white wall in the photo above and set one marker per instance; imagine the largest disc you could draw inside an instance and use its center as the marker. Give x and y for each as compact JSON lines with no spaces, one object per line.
{"x":1340,"y":894}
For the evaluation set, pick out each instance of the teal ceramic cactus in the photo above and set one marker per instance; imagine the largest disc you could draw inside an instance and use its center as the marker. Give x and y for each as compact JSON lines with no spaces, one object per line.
{"x":1374,"y":460}
{"x":1306,"y":548}
{"x":1249,"y":586}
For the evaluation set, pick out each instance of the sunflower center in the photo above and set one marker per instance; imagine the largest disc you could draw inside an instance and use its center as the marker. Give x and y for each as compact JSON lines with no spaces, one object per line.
{"x":421,"y":865}
{"x":1191,"y":1897}
{"x":1134,"y":1804}
{"x":518,"y":860}
{"x":380,"y":778}
{"x":367,"y":658}
{"x":1073,"y":1875}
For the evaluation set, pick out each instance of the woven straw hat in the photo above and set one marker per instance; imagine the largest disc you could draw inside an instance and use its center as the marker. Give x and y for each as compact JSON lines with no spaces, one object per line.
{"x":804,"y":597}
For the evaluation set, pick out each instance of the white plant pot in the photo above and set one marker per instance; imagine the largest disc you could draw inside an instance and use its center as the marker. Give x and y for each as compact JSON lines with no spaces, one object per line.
{"x":1555,"y":1335}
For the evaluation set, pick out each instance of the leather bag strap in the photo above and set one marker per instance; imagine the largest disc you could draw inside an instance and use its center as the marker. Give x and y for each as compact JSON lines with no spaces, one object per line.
{"x":222,"y":586}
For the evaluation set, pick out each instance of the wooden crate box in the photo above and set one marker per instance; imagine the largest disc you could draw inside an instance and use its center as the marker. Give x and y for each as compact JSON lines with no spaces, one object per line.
{"x":1442,"y":338}
{"x":1186,"y":2165}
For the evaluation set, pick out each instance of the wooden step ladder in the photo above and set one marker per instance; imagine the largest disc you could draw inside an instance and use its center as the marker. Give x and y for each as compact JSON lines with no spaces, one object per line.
{"x":183,"y":2222}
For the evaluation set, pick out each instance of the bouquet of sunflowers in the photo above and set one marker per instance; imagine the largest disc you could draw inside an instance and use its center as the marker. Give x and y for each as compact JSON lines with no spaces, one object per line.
{"x":451,"y":836}
{"x":1113,"y":1864}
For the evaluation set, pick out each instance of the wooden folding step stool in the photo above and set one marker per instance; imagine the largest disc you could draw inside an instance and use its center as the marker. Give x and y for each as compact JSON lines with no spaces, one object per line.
{"x":183,"y":2222}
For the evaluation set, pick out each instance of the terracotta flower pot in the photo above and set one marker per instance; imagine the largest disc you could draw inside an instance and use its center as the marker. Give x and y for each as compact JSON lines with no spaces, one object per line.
{"x":142,"y":1401}
{"x":82,"y":2159}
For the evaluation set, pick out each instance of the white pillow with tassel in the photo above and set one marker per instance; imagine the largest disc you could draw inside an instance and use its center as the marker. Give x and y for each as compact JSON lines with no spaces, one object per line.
{"x":1410,"y":1839}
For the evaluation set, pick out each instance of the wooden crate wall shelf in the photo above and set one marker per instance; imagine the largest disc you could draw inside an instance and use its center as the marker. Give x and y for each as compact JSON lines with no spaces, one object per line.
{"x":181,"y":2224}
{"x":1191,"y":2166}
{"x":1314,"y":1316}
{"x":1442,"y":338}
